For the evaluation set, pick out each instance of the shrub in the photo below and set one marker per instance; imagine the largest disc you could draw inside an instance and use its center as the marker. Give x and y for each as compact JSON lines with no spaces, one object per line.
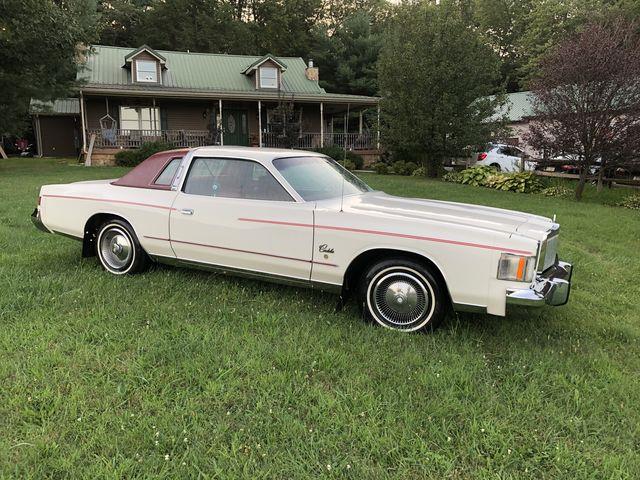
{"x":477,"y":175}
{"x":337,"y":154}
{"x":523,"y":182}
{"x":452,"y":176}
{"x":419,"y":172}
{"x":349,"y":165}
{"x":632,"y":201}
{"x":403,"y":168}
{"x":131,"y":158}
{"x":557,"y":191}
{"x":381,"y":168}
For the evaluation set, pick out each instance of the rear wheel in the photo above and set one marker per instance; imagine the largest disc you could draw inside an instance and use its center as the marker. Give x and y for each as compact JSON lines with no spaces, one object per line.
{"x":496,"y":166}
{"x":119,"y":250}
{"x":403,"y":295}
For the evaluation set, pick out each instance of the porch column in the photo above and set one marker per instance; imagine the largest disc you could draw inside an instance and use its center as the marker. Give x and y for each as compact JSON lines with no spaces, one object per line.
{"x":378,"y":130}
{"x":321,"y":125}
{"x":83,"y":123}
{"x":221,"y":127}
{"x":260,"y":123}
{"x":360,"y":123}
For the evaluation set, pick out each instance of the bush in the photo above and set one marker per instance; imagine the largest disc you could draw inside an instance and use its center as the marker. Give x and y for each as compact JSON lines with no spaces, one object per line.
{"x":632,"y":201}
{"x":349,"y":165}
{"x":131,"y":158}
{"x":337,"y":154}
{"x":403,"y":168}
{"x":557,"y":191}
{"x":452,"y":176}
{"x":523,"y":182}
{"x":419,"y":172}
{"x":381,"y":168}
{"x":477,"y":175}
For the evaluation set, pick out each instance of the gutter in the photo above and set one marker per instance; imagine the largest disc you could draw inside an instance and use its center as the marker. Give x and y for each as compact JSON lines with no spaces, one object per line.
{"x":229,"y":95}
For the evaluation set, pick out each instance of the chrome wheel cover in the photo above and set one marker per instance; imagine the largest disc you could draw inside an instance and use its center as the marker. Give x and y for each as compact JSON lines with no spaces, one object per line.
{"x":401,"y":298}
{"x":116,"y":249}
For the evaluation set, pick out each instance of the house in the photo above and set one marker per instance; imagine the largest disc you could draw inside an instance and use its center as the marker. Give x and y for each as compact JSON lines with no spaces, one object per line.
{"x":132,"y":96}
{"x":518,"y":110}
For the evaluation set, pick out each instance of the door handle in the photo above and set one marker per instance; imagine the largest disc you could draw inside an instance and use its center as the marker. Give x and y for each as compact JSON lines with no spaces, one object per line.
{"x":186,"y":211}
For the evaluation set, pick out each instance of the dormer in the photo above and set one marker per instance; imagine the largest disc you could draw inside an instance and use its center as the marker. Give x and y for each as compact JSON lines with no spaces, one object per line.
{"x":146,"y":65}
{"x":266,"y":73}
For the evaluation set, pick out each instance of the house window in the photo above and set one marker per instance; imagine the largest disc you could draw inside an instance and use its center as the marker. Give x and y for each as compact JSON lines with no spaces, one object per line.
{"x":146,"y":71}
{"x":139,"y":118}
{"x":268,"y":77}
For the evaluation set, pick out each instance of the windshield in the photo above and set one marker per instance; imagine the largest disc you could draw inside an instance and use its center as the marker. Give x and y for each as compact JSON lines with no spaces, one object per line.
{"x":319,"y":178}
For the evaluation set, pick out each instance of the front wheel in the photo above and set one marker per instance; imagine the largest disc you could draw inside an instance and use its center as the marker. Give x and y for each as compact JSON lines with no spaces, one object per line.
{"x":403,"y":295}
{"x":118,"y":248}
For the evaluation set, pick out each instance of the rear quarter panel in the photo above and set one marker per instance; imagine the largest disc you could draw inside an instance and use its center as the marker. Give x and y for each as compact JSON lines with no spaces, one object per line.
{"x":67,"y":208}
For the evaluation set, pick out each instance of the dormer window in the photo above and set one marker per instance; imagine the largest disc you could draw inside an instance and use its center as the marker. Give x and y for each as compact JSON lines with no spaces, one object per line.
{"x":268,"y":77}
{"x":146,"y":71}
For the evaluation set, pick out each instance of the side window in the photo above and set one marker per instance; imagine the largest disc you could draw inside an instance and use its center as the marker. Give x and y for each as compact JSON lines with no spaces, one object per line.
{"x":166,"y":177}
{"x":231,"y":178}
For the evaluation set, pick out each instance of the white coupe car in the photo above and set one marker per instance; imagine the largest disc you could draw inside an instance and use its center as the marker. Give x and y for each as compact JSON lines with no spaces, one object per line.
{"x":300,"y":218}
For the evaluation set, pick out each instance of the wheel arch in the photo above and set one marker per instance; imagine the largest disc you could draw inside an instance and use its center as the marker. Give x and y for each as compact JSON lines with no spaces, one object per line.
{"x":368,"y":257}
{"x":91,"y":230}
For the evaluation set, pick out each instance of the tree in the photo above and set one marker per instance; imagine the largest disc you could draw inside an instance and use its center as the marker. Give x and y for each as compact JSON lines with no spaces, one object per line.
{"x":38,"y":40}
{"x":436,"y":77}
{"x":587,"y":97}
{"x":348,"y":56}
{"x":502,"y":24}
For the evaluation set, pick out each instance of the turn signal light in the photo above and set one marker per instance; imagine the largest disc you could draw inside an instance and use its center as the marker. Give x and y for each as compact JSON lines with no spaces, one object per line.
{"x":516,"y":267}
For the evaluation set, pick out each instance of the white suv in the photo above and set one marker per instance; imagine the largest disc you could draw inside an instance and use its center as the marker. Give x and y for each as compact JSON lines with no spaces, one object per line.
{"x":504,"y":158}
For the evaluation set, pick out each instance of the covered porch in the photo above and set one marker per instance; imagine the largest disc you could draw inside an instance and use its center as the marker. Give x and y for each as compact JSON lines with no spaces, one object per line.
{"x":111,"y":122}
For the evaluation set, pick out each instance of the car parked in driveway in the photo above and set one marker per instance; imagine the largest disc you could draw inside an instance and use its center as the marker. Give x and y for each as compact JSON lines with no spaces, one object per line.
{"x":300,"y":218}
{"x":504,"y":158}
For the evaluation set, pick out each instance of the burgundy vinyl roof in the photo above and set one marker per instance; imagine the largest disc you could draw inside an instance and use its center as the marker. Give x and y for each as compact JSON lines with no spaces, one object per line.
{"x":145,"y":174}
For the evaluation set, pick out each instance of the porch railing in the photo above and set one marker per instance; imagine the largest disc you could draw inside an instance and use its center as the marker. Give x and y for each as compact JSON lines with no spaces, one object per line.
{"x":352,"y":141}
{"x":135,"y":138}
{"x":120,"y":138}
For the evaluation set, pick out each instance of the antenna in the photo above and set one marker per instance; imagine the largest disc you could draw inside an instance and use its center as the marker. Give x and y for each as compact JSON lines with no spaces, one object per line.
{"x":344,"y":156}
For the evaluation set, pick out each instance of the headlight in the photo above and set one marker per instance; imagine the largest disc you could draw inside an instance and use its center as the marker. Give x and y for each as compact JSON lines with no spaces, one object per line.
{"x":516,"y":267}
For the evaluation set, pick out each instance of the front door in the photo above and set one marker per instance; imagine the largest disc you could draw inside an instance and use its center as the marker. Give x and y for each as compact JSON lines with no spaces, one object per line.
{"x":233,"y":213}
{"x":235,"y":127}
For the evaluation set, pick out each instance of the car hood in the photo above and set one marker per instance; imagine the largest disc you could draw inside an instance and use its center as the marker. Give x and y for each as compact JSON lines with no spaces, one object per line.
{"x":489,"y":218}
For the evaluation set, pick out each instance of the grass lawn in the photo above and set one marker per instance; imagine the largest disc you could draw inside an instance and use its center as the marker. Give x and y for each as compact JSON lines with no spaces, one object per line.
{"x":178,"y":373}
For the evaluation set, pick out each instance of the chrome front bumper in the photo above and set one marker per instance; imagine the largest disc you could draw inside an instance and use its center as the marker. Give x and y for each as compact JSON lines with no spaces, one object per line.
{"x":551,"y":287}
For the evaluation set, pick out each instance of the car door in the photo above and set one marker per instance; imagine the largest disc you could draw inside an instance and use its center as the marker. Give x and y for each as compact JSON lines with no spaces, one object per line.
{"x":233,"y":213}
{"x":511,"y":159}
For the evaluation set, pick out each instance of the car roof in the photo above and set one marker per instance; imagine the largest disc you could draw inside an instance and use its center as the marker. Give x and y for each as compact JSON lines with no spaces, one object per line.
{"x":260,"y":154}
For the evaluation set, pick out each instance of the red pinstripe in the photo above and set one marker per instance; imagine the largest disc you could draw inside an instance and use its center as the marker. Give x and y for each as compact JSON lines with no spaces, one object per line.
{"x":111,"y":201}
{"x":241,"y":251}
{"x":389,"y":234}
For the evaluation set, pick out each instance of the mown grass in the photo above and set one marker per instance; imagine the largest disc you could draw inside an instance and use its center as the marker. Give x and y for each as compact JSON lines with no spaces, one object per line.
{"x":182,"y":374}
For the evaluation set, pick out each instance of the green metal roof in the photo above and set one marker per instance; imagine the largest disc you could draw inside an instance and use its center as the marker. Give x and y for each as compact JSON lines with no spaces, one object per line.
{"x":518,"y":106}
{"x":63,"y":106}
{"x":193,"y":71}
